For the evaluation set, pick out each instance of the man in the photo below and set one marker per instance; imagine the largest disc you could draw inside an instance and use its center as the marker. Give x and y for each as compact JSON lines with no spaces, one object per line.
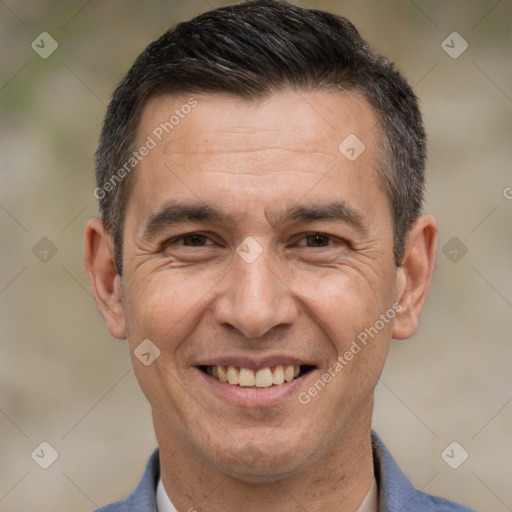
{"x":260,"y":175}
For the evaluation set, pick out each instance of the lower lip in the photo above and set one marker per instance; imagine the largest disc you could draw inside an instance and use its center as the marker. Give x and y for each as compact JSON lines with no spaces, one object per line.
{"x":253,"y":397}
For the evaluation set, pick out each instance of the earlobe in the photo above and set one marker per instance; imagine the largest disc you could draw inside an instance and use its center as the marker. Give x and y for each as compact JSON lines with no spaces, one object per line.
{"x":102,"y":273}
{"x":415,"y":275}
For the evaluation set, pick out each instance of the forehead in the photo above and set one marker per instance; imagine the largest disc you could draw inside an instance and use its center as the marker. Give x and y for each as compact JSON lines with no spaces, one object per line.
{"x":318,"y":119}
{"x":259,"y":150}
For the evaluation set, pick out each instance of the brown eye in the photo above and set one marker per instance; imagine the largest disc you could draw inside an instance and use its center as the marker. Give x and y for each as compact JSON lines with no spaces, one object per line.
{"x":188,"y":240}
{"x":194,"y":240}
{"x":317,"y":240}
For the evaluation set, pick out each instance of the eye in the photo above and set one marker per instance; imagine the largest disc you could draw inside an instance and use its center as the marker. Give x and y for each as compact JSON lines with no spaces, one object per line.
{"x":316,"y":240}
{"x":194,"y":239}
{"x":188,"y":240}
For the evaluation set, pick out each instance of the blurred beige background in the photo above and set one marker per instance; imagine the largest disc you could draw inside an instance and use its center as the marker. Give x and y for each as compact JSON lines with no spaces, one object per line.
{"x":64,"y":381}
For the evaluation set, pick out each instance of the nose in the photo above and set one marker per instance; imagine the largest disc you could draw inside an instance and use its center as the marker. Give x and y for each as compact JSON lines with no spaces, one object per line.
{"x":255,"y":298}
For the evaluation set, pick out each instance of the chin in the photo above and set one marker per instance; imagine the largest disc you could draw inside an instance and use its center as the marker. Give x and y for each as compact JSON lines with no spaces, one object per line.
{"x":265,"y":471}
{"x":261,"y":461}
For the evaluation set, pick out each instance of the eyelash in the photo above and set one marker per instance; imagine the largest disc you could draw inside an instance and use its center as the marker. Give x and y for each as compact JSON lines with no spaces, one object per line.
{"x":173,"y":241}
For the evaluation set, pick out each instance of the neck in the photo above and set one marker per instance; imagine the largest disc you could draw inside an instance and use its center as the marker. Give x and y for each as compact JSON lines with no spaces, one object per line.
{"x":338,"y":479}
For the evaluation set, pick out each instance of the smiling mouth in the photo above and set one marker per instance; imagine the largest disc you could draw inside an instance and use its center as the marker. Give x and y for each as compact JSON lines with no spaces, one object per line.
{"x":261,"y":378}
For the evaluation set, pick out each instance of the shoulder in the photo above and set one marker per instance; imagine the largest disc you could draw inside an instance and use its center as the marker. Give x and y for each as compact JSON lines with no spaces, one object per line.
{"x":143,"y":498}
{"x":396,"y":492}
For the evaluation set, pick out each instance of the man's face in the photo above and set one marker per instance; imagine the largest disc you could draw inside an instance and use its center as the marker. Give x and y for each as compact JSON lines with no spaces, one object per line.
{"x":313,"y":270}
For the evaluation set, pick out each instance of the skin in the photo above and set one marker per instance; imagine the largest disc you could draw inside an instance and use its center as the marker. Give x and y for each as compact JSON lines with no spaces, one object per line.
{"x":304,"y":297}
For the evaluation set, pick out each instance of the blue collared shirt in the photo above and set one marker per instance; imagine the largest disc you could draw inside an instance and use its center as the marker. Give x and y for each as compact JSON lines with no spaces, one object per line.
{"x":396,"y":492}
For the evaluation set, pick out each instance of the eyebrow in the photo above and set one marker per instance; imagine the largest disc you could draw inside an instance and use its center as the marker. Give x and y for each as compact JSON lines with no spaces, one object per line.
{"x":176,"y":213}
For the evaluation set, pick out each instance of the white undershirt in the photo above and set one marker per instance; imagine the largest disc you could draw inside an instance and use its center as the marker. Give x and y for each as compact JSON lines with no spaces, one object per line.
{"x":163,"y":503}
{"x":369,"y":504}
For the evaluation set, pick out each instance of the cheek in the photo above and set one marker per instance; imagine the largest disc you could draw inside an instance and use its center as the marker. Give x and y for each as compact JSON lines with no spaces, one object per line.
{"x":342,"y":302}
{"x":348,"y":308}
{"x":165,"y":306}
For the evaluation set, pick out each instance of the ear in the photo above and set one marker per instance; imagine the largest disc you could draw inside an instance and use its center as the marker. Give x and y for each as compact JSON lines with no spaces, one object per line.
{"x":415,"y":275}
{"x":106,"y":284}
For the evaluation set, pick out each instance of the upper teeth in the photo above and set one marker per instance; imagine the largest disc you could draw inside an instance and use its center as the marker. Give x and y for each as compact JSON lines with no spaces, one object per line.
{"x":246,"y":377}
